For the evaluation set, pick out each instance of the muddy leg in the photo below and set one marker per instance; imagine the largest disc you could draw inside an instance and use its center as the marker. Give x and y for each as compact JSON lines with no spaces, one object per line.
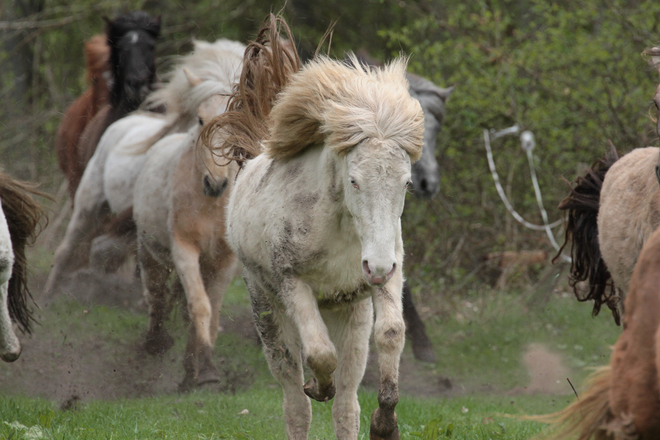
{"x":350,"y":330}
{"x":198,"y":361}
{"x":319,"y":352}
{"x":281,"y":343}
{"x":421,"y":345}
{"x":154,"y":279}
{"x":389,"y":333}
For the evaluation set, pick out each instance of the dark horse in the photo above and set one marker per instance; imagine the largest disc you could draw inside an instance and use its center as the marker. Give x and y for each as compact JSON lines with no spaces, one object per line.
{"x":132,"y":38}
{"x":83,"y":109}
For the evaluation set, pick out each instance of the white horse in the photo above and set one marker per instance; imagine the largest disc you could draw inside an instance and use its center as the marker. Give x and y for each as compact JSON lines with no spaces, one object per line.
{"x":314,"y":217}
{"x":179,"y":210}
{"x":107,"y":184}
{"x":20,"y":216}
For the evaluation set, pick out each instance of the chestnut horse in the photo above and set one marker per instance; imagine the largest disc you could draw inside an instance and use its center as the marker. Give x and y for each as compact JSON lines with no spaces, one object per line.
{"x":622,"y":400}
{"x":179,"y":209}
{"x":20,"y":217}
{"x":83,"y":109}
{"x":132,"y":39}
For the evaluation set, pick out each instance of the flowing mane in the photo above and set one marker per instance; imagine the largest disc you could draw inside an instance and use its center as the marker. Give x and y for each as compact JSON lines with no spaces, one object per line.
{"x":339,"y":102}
{"x":343,"y":104}
{"x":24,"y":216}
{"x":216,"y":64}
{"x":268,"y":63}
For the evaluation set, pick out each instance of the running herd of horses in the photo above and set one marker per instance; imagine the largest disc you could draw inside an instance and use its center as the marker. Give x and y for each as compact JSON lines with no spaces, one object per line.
{"x":247,"y":159}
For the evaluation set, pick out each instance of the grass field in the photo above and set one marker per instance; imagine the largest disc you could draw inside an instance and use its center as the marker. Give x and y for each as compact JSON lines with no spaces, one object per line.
{"x":82,"y":375}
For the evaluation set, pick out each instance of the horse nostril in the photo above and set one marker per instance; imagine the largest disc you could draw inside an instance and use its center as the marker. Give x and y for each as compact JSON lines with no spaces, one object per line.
{"x":424,"y":185}
{"x":365,"y":267}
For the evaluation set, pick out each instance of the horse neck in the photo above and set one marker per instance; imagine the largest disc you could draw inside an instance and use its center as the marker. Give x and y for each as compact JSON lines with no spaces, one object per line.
{"x":100,"y":94}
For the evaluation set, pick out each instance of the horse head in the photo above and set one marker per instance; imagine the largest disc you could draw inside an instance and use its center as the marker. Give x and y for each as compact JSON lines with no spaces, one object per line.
{"x":132,"y":39}
{"x":215,"y":173}
{"x":426,"y":173}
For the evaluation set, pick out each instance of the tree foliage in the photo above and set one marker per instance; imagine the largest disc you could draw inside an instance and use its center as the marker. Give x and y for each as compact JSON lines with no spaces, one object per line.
{"x":571,"y":72}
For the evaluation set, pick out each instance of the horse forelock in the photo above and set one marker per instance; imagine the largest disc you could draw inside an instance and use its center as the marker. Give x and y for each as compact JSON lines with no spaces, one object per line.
{"x":97,"y":56}
{"x":133,"y":21}
{"x":24,"y":216}
{"x":343,"y":104}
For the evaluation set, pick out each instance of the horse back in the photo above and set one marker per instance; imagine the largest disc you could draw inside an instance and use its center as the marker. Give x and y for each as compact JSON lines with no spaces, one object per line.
{"x":629,"y":211}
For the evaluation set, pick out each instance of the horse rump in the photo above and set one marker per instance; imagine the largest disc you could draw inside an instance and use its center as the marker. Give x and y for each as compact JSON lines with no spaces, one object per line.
{"x":581,"y":208}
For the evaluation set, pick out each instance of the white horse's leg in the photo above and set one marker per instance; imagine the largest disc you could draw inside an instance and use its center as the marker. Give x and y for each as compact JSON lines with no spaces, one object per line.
{"x":86,"y":221}
{"x":217,"y":287}
{"x":281,"y":343}
{"x":389,"y":333}
{"x":318,"y":350}
{"x":350,"y":329}
{"x":198,"y":360}
{"x":154,"y":283}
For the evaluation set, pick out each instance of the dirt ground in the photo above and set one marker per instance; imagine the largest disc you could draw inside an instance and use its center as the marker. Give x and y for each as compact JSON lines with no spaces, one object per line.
{"x":65,"y":368}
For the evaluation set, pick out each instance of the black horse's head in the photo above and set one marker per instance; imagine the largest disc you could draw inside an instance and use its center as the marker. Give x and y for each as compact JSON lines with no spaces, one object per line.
{"x":425,"y":172}
{"x":132,"y":39}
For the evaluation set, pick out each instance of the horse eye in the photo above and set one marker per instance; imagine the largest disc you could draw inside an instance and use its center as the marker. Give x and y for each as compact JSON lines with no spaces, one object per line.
{"x":354,"y":183}
{"x":200,"y":121}
{"x":408,"y":183}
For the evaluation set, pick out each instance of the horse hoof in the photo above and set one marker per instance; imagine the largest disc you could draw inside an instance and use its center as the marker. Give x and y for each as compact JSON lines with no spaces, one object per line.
{"x":313,"y":391}
{"x":158,"y":344}
{"x":424,"y":353}
{"x":384,"y":427}
{"x":210,"y":375}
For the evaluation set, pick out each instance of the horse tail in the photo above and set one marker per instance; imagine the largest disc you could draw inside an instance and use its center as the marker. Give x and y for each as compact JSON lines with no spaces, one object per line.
{"x":24,"y":219}
{"x":268,"y":63}
{"x":587,"y":417}
{"x":582,"y":206}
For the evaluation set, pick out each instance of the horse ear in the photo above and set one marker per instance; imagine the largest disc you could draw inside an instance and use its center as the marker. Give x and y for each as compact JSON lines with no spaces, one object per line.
{"x":444,"y":93}
{"x":192,"y":78}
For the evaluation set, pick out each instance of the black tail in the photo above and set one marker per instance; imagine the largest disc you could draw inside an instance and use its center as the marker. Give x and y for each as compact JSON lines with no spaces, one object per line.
{"x":582,"y":233}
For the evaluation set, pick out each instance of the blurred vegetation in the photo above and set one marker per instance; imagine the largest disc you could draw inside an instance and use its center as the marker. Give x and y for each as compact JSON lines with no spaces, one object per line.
{"x":570,"y":71}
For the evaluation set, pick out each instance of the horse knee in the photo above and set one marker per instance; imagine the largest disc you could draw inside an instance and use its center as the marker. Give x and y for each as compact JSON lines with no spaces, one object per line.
{"x":391,"y":336}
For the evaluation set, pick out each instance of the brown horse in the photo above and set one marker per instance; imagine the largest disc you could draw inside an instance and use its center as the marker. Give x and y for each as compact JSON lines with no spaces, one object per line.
{"x":20,"y":218}
{"x":622,"y":401}
{"x":132,"y":39}
{"x":83,"y":109}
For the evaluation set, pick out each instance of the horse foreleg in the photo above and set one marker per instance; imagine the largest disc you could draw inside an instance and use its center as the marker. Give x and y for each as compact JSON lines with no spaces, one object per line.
{"x":198,"y":360}
{"x":320,"y":354}
{"x":10,"y":346}
{"x":217,"y":287}
{"x":86,"y":221}
{"x":154,"y":279}
{"x":389,"y":333}
{"x":421,"y":344}
{"x":281,"y":344}
{"x":350,"y":330}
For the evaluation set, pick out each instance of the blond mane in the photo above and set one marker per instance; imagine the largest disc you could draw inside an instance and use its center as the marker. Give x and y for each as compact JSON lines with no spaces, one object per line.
{"x":343,"y":104}
{"x":217,"y":65}
{"x":339,"y":103}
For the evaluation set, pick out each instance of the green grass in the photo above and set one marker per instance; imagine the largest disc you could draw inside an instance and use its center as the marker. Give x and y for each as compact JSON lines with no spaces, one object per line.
{"x":479,"y":339}
{"x":205,"y":415}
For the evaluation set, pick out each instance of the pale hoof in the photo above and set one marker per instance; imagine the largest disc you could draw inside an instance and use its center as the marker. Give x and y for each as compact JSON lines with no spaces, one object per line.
{"x":209,"y":375}
{"x":313,"y":391}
